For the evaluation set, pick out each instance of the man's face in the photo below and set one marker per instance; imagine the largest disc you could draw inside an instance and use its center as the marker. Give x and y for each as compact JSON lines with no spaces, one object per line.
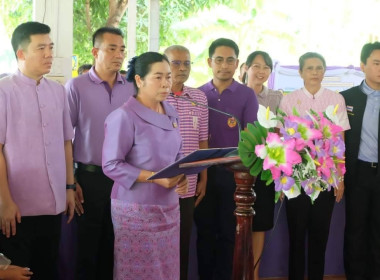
{"x":180,"y":66}
{"x":372,"y":70}
{"x":110,"y":54}
{"x":36,"y":58}
{"x":223,"y":63}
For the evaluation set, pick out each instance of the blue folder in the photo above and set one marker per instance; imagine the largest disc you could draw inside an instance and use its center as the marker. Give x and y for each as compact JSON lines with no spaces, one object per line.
{"x":175,"y":168}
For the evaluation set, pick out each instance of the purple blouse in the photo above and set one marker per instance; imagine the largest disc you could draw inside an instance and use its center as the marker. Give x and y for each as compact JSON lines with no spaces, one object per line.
{"x":138,"y":138}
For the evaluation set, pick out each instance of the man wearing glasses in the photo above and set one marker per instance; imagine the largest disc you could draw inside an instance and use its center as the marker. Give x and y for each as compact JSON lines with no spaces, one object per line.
{"x":193,"y":126}
{"x":92,"y":96}
{"x":214,"y":216}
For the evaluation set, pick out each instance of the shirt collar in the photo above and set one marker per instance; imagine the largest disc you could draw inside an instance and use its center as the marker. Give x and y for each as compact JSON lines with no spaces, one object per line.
{"x":29,"y":81}
{"x":367,"y":89}
{"x":316,"y":95}
{"x":95,"y":78}
{"x":232,"y":87}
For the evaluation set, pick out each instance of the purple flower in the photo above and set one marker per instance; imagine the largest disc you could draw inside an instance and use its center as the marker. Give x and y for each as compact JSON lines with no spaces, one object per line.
{"x":283,"y":183}
{"x":309,"y":185}
{"x":337,"y":148}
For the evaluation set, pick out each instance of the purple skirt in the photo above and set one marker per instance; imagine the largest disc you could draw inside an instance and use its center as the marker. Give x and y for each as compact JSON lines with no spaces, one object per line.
{"x":146,"y":241}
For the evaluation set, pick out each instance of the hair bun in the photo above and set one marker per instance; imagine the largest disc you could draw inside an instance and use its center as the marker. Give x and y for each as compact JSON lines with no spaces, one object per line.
{"x":131,"y":69}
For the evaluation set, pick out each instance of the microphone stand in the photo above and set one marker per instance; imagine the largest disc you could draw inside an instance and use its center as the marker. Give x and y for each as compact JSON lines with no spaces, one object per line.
{"x":195,"y":103}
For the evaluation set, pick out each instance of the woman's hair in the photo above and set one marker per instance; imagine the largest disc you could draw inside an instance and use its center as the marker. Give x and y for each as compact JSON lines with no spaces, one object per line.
{"x":141,"y":65}
{"x":266,"y":57}
{"x":308,"y":55}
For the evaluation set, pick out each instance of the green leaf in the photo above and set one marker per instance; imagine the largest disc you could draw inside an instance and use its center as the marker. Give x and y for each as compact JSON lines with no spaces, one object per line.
{"x":277,"y":196}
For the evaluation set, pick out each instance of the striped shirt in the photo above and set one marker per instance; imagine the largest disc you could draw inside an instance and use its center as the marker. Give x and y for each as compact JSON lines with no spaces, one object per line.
{"x":193,"y":124}
{"x":303,"y":101}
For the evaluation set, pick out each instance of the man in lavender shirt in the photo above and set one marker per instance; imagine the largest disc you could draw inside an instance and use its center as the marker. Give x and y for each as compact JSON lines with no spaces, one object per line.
{"x":214,"y":216}
{"x":92,"y":96}
{"x":35,"y":155}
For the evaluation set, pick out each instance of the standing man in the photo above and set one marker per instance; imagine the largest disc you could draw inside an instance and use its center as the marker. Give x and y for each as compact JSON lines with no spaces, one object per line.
{"x":193,"y":124}
{"x":362,"y":179}
{"x":35,"y":156}
{"x":92,"y":96}
{"x":214,"y":216}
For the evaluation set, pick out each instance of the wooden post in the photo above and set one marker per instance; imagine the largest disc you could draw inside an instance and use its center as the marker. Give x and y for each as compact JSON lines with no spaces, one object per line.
{"x":244,"y":198}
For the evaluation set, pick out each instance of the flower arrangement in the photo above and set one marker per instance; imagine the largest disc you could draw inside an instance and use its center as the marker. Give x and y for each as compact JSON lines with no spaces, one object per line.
{"x":309,"y":155}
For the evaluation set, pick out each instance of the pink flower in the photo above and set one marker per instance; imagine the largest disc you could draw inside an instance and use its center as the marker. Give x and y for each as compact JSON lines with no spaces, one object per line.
{"x":278,"y":155}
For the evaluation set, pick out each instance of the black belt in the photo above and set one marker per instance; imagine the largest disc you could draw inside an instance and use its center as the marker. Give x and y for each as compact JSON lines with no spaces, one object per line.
{"x":368,"y":164}
{"x":90,"y":168}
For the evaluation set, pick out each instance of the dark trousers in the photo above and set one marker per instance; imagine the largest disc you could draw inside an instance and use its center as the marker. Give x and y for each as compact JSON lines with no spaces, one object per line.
{"x":186,"y":206}
{"x":35,"y":245}
{"x":216,"y":225}
{"x":314,"y":220}
{"x":95,"y":230}
{"x":362,"y":231}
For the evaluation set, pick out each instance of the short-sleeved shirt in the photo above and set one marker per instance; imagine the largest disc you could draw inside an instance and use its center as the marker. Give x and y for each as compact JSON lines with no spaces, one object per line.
{"x":91,"y":100}
{"x":303,"y":101}
{"x":138,"y":138}
{"x":34,"y":123}
{"x":269,"y":97}
{"x":238,"y":100}
{"x":193,"y":124}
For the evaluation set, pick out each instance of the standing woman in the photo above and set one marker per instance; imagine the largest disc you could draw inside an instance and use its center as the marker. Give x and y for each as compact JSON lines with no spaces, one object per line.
{"x":259,"y":65}
{"x":145,"y":213}
{"x":304,"y":217}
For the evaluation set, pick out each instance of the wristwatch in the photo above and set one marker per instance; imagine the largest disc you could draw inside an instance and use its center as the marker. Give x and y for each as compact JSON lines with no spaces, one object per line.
{"x":71,"y":187}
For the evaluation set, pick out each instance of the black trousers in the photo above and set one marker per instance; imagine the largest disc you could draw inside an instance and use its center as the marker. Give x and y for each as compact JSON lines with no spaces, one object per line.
{"x":95,"y":230}
{"x":186,"y":206}
{"x":362,"y":231}
{"x":35,"y":245}
{"x":216,"y":225}
{"x":313,"y":220}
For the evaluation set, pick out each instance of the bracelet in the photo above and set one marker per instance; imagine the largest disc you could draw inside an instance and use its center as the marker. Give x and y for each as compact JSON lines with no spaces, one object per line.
{"x":71,"y":187}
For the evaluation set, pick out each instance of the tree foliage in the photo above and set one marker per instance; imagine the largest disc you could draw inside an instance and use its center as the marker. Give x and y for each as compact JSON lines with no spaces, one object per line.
{"x":14,"y":12}
{"x":90,"y":15}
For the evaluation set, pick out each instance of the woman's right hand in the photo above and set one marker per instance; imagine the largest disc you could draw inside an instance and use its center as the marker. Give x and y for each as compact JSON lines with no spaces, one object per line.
{"x":169,"y":183}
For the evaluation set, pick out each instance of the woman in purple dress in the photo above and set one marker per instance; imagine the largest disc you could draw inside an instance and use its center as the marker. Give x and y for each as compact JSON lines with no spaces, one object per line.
{"x":142,"y":137}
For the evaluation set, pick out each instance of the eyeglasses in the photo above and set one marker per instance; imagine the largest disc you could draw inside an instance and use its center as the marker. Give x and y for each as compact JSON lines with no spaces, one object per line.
{"x":318,"y":69}
{"x":220,"y":60}
{"x":259,"y":67}
{"x":177,"y":63}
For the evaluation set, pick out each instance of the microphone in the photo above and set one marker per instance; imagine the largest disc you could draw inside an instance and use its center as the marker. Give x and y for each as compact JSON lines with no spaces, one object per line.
{"x":195,"y":103}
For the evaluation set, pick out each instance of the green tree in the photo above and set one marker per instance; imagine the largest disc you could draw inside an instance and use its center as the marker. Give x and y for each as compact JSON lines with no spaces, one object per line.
{"x":14,"y":12}
{"x":90,"y":15}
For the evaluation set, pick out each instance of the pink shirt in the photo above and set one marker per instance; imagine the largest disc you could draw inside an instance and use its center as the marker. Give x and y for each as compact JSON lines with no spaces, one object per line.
{"x":193,"y":125}
{"x":303,"y":101}
{"x":34,"y":123}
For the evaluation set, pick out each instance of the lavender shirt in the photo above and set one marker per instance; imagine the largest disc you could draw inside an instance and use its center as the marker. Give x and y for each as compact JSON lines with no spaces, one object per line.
{"x":137,"y":138}
{"x":238,"y":100}
{"x":91,"y":100}
{"x":34,"y":123}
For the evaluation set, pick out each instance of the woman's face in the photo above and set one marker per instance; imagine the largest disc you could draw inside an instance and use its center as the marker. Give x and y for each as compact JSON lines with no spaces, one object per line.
{"x":156,"y":85}
{"x":312,"y":72}
{"x":258,"y":73}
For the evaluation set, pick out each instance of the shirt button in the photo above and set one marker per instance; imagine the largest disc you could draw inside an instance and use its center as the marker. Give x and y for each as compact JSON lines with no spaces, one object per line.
{"x":44,"y":125}
{"x":42,"y":106}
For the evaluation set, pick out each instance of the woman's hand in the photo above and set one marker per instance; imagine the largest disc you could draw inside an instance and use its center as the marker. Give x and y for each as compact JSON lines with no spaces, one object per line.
{"x":169,"y":183}
{"x":183,"y":185}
